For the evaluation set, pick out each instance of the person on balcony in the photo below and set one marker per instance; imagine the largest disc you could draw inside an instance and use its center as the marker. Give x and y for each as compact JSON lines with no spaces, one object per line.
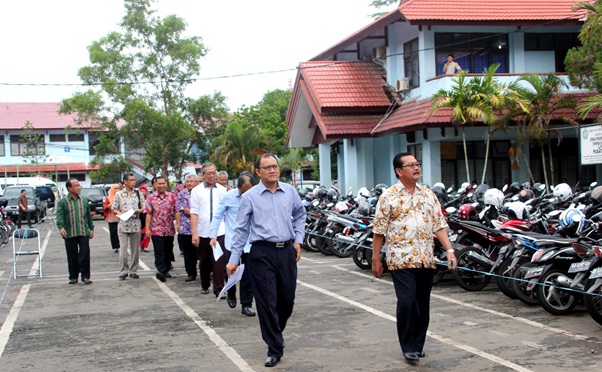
{"x":451,"y":66}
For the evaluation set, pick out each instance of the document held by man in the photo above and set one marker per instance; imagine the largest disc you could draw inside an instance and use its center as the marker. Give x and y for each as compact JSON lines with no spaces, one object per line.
{"x":232,"y":280}
{"x":127,"y":215}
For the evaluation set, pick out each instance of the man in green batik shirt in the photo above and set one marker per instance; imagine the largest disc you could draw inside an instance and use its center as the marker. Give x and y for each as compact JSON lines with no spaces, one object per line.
{"x":74,"y":221}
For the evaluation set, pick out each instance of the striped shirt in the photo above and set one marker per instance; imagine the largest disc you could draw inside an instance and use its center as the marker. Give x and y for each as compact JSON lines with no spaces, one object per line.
{"x":74,"y":216}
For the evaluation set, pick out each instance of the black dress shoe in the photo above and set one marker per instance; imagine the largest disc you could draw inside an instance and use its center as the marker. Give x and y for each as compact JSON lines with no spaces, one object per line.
{"x":247,"y":310}
{"x":231,"y":302}
{"x":411,"y":357}
{"x":87,"y":281}
{"x":168,"y":275}
{"x":421,"y":354}
{"x":160,"y":276}
{"x":271,"y":361}
{"x":123,"y":276}
{"x":72,"y":281}
{"x":190,"y":279}
{"x":204,"y":290}
{"x":134,"y":275}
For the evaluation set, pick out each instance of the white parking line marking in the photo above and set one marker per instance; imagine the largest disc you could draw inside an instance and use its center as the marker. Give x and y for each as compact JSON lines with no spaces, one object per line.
{"x":442,"y":339}
{"x":479,"y":308}
{"x":371,"y":290}
{"x":36,"y":264}
{"x":213,"y":336}
{"x":7,"y":327}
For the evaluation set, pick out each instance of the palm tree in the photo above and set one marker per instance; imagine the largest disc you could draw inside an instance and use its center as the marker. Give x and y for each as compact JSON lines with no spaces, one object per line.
{"x":292,"y":161}
{"x":590,"y":103}
{"x":239,"y":146}
{"x":545,"y":100}
{"x":468,"y":105}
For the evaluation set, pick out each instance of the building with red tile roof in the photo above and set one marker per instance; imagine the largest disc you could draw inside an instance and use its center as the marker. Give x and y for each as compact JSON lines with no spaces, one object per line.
{"x":369,"y":95}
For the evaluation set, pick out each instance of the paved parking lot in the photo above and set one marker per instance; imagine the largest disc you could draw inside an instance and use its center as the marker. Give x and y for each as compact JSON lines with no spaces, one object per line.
{"x":343,"y":320}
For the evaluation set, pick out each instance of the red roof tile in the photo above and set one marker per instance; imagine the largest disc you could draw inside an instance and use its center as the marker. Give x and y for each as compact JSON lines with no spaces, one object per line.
{"x":479,"y":10}
{"x":346,"y":84}
{"x":41,"y":115}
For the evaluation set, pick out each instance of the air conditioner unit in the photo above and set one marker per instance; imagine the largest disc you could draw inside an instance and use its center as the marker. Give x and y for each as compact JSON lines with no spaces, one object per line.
{"x":402,"y":85}
{"x":379,"y":52}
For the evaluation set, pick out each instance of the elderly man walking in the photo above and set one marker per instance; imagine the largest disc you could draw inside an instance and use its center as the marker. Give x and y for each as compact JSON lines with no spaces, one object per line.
{"x":191,"y":256}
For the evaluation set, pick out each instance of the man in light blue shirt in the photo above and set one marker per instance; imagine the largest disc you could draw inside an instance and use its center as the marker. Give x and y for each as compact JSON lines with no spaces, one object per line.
{"x":272,"y":218}
{"x":228,"y":208}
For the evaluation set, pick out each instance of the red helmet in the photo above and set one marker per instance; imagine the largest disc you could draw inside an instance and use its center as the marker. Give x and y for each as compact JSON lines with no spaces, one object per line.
{"x":467,"y":212}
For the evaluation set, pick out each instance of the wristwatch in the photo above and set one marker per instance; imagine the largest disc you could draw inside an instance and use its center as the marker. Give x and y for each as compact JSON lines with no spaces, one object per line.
{"x":450,"y":251}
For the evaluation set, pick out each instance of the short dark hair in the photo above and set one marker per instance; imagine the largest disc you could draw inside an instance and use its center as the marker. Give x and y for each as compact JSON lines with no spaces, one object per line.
{"x":266,"y":155}
{"x":128,"y":175}
{"x":397,"y":163}
{"x":245,"y":177}
{"x":68,"y":182}
{"x":23,"y":190}
{"x":158,"y":178}
{"x":450,"y":55}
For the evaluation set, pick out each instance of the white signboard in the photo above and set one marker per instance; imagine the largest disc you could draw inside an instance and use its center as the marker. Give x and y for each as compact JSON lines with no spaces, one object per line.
{"x":591,"y":145}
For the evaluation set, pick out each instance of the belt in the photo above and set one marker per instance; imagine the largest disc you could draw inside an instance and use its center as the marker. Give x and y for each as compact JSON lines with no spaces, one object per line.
{"x":274,"y":245}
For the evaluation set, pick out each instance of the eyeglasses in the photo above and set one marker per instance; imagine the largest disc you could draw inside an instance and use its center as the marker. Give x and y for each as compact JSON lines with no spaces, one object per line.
{"x":270,"y":167}
{"x":412,"y":165}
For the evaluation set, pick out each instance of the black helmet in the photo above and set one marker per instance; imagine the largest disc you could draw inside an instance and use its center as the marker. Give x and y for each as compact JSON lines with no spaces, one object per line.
{"x":480,"y":192}
{"x":526,"y":185}
{"x":320,"y":193}
{"x":302,"y":193}
{"x":514,"y":188}
{"x":364,"y":208}
{"x":379,"y":189}
{"x":538,"y":189}
{"x":441,"y":193}
{"x":525,"y":195}
{"x":332,"y":195}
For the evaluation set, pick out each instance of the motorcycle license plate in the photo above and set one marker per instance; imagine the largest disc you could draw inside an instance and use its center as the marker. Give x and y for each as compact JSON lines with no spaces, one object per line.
{"x":596,"y":273}
{"x":579,"y":266}
{"x":534,"y":272}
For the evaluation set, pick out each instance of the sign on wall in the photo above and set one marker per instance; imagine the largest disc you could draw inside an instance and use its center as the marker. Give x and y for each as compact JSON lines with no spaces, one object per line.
{"x":591,"y":145}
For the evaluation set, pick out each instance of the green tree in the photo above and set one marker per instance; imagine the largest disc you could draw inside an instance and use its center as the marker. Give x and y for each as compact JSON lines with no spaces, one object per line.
{"x":239,"y":146}
{"x":33,"y":145}
{"x":380,"y":4}
{"x":140,"y":75}
{"x":293,"y":161}
{"x":545,"y":102}
{"x":581,"y":61}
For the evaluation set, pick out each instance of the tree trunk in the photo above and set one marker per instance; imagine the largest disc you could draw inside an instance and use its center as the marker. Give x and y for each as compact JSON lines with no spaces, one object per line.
{"x":545,"y":173}
{"x":465,"y":155}
{"x":487,"y":139}
{"x":551,"y":162}
{"x":529,"y":168}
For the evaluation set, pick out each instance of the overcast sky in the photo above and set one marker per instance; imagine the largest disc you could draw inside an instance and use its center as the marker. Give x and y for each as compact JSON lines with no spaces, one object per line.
{"x":45,"y":42}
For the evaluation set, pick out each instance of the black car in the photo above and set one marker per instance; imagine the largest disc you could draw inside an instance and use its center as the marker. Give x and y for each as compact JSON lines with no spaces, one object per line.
{"x":96,"y":198}
{"x":47,"y":195}
{"x":36,"y":207}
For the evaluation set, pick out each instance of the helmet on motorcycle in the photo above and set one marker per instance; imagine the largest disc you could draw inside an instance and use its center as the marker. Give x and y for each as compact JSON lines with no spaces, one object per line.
{"x":514,"y":188}
{"x":320,"y":193}
{"x":364,"y":208}
{"x":572,"y":221}
{"x":440,"y":193}
{"x":379,"y":189}
{"x":341,"y":207}
{"x":479,"y":192}
{"x":563,"y":192}
{"x":465,"y":186}
{"x":302,"y":193}
{"x":467,"y":212}
{"x":364,"y":193}
{"x":441,"y":184}
{"x":596,"y":195}
{"x":517,"y":211}
{"x":525,"y":195}
{"x":526,"y":185}
{"x":332,"y":195}
{"x":538,"y":188}
{"x":494,"y":197}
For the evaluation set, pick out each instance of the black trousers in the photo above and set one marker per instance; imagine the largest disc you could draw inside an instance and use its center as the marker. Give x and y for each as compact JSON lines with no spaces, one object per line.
{"x":23,"y":214}
{"x":113,"y":234}
{"x":274,"y":281}
{"x":413,"y":290}
{"x":163,"y":248}
{"x":78,"y":256}
{"x":246,"y":290}
{"x":191,"y":255}
{"x":208,"y":264}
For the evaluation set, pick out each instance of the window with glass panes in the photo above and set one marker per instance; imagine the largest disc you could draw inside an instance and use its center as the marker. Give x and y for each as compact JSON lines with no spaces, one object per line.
{"x":472,"y":51}
{"x":411,"y":63}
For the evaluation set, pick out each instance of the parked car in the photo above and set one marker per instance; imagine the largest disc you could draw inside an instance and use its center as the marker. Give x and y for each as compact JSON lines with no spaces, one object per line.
{"x":47,"y":196}
{"x":96,"y":198}
{"x":36,"y":207}
{"x":308,"y":185}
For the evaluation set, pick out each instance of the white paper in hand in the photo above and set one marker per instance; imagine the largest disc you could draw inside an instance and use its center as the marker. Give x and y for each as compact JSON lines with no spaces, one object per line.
{"x":217,"y":251}
{"x":127,"y":215}
{"x":232,"y":280}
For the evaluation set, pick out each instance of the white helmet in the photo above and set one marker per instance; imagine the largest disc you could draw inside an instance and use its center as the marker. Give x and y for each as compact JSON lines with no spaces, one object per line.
{"x":563,"y":192}
{"x":439,"y":184}
{"x":341,"y":207}
{"x":364,"y":192}
{"x":517,"y":211}
{"x":494,"y":197}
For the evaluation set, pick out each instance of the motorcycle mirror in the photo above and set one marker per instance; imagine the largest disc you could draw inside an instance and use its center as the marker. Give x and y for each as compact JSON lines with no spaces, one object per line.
{"x":450,"y":209}
{"x":329,"y":205}
{"x":515,"y":198}
{"x":554,"y":213}
{"x":450,"y":189}
{"x":505,"y":188}
{"x":469,"y":195}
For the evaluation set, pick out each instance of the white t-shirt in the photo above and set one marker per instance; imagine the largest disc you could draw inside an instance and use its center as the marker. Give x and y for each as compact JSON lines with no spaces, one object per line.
{"x":452,"y":67}
{"x":200,"y":202}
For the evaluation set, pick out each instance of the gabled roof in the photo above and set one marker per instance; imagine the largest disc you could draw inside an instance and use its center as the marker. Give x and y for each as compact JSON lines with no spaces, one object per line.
{"x":432,"y":11}
{"x":13,"y":116}
{"x":336,"y":99}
